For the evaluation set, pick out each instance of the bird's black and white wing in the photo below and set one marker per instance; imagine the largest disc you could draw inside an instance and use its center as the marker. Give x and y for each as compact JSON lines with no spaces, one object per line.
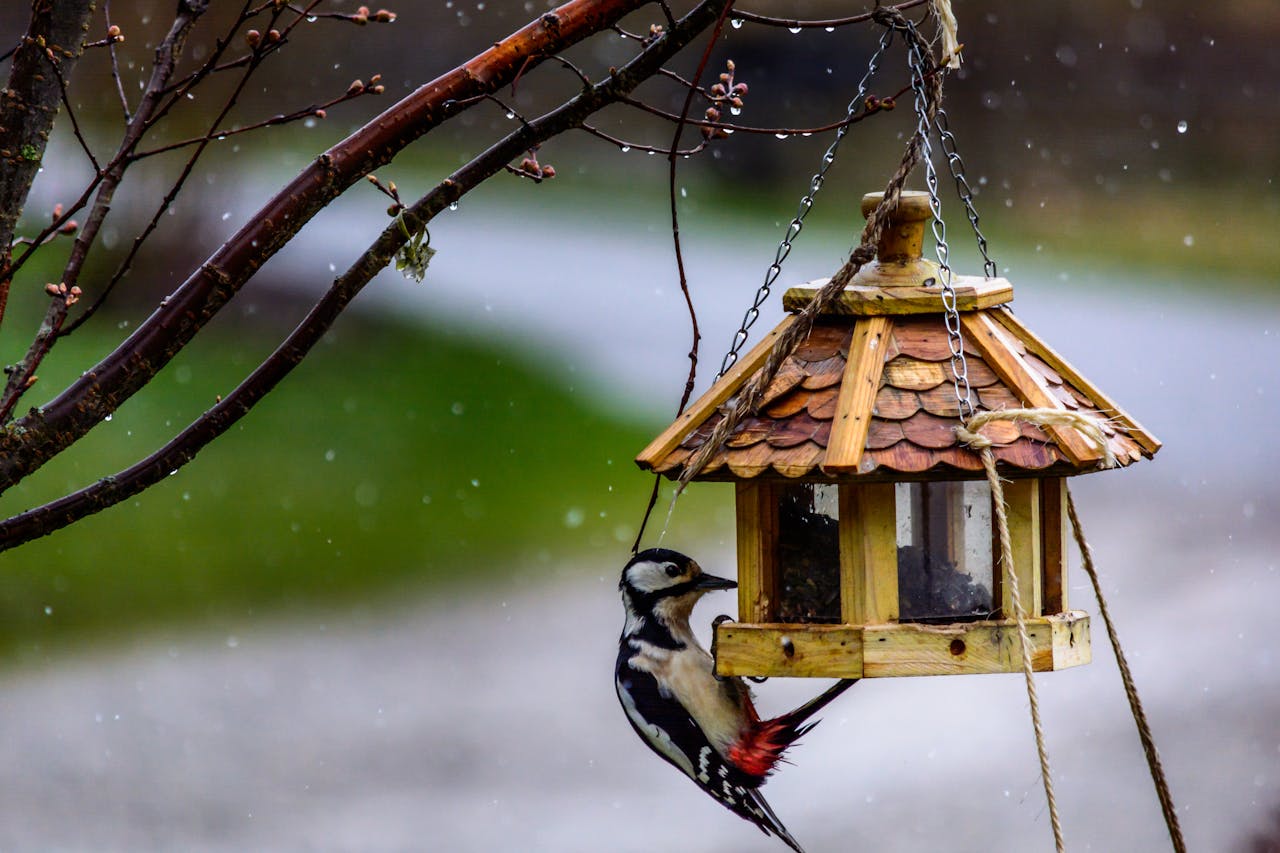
{"x":670,"y":731}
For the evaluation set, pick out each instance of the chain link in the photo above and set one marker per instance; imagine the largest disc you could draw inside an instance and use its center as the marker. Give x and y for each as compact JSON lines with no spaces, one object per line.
{"x":948,"y":142}
{"x":955,"y":342}
{"x":806,"y":204}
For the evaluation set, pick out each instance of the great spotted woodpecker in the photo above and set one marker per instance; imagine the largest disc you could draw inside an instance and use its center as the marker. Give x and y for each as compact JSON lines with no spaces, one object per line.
{"x":707,"y":727}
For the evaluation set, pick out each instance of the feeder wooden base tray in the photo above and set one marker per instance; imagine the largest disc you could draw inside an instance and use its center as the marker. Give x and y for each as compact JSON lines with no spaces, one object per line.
{"x":886,"y":651}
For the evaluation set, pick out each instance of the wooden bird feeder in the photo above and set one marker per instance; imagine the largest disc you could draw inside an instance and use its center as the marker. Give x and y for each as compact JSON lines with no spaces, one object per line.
{"x":865,"y":534}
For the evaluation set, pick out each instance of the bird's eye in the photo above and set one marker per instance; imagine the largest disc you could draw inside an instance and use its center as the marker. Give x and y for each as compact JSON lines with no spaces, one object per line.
{"x":673,"y":571}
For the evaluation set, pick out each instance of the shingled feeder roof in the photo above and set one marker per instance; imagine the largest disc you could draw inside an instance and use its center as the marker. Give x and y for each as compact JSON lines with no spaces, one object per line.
{"x":870,"y":396}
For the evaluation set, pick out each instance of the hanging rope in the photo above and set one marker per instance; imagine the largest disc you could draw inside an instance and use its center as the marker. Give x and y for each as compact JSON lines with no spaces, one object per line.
{"x":1130,"y":689}
{"x":970,"y":434}
{"x":748,"y":399}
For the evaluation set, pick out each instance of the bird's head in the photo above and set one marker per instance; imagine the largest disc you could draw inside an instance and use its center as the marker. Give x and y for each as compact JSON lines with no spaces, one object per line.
{"x":666,"y":584}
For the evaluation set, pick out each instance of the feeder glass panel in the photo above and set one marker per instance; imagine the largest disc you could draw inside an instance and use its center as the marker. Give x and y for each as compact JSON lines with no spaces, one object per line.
{"x":944,"y":551}
{"x":808,"y":555}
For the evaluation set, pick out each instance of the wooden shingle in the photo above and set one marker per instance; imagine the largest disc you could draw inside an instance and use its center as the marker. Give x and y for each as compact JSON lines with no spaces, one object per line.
{"x":869,"y":394}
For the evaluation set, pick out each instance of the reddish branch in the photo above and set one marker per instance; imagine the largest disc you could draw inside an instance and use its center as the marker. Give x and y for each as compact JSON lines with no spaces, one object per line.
{"x":111,"y":490}
{"x":27,"y":443}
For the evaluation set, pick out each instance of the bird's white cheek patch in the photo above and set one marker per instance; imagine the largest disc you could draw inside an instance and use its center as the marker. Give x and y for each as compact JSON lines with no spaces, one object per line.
{"x":648,"y":577}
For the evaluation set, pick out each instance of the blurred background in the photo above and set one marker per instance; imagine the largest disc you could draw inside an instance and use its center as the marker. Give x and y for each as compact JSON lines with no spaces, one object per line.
{"x":380,"y":613}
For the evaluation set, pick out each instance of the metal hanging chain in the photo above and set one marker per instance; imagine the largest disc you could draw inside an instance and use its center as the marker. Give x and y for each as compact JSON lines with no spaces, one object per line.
{"x":919,"y":62}
{"x":948,"y":142}
{"x":806,"y":204}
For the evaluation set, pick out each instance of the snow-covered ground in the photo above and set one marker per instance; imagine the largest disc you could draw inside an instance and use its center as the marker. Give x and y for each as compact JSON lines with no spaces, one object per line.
{"x":489,"y":723}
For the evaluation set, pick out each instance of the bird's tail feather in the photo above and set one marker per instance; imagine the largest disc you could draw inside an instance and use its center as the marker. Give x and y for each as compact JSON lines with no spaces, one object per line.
{"x":772,"y":824}
{"x":795,"y":719}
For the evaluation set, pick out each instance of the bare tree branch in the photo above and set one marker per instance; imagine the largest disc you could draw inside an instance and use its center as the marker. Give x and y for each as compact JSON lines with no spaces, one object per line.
{"x":183,"y":448}
{"x":28,"y":442}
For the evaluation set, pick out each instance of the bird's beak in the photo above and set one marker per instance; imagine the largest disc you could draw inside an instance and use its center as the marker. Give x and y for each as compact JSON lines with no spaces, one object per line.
{"x":709,"y":583}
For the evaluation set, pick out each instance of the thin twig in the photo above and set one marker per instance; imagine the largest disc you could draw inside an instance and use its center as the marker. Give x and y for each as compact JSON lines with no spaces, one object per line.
{"x":315,"y":110}
{"x":58,"y":223}
{"x":770,"y":131}
{"x":586,"y":81}
{"x":672,"y":161}
{"x":624,"y":145}
{"x":115,"y":65}
{"x":201,"y":73}
{"x":688,"y":84}
{"x":71,"y":114}
{"x":830,"y":23}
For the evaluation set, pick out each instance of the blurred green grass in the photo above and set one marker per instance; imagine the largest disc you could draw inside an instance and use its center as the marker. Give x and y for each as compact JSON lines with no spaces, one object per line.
{"x":394,"y":458}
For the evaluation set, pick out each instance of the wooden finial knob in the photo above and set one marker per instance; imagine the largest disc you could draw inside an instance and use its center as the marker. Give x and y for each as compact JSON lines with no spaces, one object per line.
{"x":903,"y":239}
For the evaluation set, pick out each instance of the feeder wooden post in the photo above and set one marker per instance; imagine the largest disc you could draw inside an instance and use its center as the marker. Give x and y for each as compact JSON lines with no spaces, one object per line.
{"x":1055,"y":535}
{"x":868,"y":554}
{"x":757,"y":546}
{"x":1022,"y":499}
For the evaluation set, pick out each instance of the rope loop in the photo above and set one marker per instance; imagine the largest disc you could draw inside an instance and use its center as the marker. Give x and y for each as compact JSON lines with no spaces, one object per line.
{"x":970,"y":435}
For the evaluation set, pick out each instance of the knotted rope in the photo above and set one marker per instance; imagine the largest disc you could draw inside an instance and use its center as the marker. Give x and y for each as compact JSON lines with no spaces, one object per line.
{"x":948,"y":29}
{"x":969,"y":433}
